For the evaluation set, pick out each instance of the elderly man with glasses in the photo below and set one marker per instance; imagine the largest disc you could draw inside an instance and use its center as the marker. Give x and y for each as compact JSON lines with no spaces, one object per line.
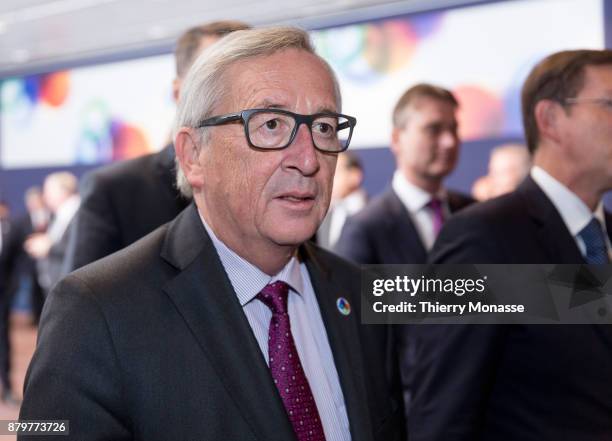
{"x":225,"y":323}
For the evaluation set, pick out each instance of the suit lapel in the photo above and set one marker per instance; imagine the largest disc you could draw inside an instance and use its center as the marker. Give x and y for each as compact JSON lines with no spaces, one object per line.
{"x":552,"y":232}
{"x":344,"y":340}
{"x":401,"y":233}
{"x":204,"y":297}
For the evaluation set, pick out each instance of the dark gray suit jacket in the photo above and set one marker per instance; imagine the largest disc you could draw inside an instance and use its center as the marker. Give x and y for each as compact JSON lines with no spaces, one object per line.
{"x":383,"y":232}
{"x":511,"y":382}
{"x":151,"y":344}
{"x":122,"y":202}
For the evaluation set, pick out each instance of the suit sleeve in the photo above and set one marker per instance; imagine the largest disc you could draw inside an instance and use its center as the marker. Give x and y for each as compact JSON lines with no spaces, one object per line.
{"x":455,"y":365}
{"x":74,"y":374}
{"x":94,"y":232}
{"x":354,"y":243}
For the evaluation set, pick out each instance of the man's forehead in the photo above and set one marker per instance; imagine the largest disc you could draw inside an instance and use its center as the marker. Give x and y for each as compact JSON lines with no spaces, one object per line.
{"x":428,"y":103}
{"x":598,"y":77}
{"x":425,"y":109}
{"x":279,"y":79}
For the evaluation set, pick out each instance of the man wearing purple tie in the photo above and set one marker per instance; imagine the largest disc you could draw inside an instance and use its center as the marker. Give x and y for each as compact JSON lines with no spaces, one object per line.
{"x":226,"y":324}
{"x":401,"y":225}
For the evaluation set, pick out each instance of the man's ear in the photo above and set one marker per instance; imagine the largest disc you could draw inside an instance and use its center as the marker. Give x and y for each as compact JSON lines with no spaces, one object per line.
{"x":395,"y":140}
{"x":547,"y":115}
{"x":188,"y":154}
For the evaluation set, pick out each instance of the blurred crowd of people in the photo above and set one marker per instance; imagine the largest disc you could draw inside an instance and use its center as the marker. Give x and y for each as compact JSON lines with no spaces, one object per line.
{"x":32,"y":253}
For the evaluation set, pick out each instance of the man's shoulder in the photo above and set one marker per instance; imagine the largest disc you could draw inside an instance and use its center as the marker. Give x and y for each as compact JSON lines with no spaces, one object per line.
{"x":485,"y":232}
{"x":128,"y":271}
{"x":458,"y":201}
{"x":503,"y":210}
{"x":123,"y":172}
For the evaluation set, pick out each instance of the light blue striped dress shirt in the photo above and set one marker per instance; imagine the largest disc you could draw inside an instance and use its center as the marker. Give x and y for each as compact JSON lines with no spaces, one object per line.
{"x":307,"y":328}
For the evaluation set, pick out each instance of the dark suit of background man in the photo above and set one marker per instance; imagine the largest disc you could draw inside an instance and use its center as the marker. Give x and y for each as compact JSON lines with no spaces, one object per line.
{"x":546,"y":382}
{"x":400,"y":226}
{"x":122,"y":202}
{"x":186,"y":334}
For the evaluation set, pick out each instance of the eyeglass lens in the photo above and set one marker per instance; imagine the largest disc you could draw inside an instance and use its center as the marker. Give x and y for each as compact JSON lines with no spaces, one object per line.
{"x":273,"y":130}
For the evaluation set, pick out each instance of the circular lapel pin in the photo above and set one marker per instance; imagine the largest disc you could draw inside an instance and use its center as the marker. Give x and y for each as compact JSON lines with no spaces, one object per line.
{"x":343,"y":306}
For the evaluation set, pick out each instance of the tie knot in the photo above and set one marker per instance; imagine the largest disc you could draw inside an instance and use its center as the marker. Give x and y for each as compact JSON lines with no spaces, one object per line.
{"x":592,"y":231}
{"x":274,"y":296}
{"x":435,"y":203}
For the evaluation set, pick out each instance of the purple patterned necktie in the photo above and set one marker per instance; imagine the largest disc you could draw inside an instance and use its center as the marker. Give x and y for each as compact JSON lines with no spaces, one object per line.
{"x":286,"y":367}
{"x":435,"y":205}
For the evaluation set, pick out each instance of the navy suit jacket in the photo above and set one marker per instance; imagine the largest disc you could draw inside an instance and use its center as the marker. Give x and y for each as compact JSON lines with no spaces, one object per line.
{"x":152,"y":344}
{"x":511,"y":382}
{"x":383,"y":232}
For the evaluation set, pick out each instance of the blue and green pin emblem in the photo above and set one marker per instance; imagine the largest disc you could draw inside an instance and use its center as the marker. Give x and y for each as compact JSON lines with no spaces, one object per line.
{"x":343,"y":306}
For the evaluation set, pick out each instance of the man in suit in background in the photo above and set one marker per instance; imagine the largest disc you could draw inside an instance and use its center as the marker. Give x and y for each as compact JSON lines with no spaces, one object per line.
{"x":48,"y":248}
{"x":35,"y":220}
{"x":226,"y":323}
{"x":400,"y":226}
{"x":532,"y":382}
{"x":122,"y":202}
{"x":348,"y":198}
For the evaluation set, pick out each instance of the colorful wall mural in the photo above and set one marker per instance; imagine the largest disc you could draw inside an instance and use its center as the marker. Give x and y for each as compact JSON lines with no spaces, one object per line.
{"x":120,"y":110}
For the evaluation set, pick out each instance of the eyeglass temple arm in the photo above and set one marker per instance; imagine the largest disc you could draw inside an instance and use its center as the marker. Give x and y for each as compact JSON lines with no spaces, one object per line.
{"x":219,"y":120}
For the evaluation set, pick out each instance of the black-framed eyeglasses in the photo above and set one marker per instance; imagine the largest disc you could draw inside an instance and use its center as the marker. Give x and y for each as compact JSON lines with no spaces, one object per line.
{"x":275,"y":129}
{"x":604,"y":102}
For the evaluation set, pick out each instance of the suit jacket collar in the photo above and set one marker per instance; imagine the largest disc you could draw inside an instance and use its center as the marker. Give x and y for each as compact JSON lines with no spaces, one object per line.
{"x":203,"y":295}
{"x":553,"y":233}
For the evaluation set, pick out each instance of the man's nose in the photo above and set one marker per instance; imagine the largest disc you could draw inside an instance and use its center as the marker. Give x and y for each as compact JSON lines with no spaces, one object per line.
{"x":302,"y":154}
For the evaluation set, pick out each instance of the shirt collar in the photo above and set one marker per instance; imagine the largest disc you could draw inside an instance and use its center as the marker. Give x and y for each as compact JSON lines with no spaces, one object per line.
{"x":248,"y":280}
{"x":414,"y":198}
{"x":575,"y":214}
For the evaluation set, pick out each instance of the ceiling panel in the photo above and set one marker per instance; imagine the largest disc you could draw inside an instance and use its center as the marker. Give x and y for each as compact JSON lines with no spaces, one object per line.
{"x":35,"y":34}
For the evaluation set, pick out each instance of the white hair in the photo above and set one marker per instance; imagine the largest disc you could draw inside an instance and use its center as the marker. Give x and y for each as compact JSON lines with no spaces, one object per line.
{"x":204,"y":86}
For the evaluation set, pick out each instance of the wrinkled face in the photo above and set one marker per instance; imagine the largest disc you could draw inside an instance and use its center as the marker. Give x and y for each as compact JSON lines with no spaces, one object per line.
{"x":427,"y":147}
{"x":587,"y":128}
{"x":269,"y":197}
